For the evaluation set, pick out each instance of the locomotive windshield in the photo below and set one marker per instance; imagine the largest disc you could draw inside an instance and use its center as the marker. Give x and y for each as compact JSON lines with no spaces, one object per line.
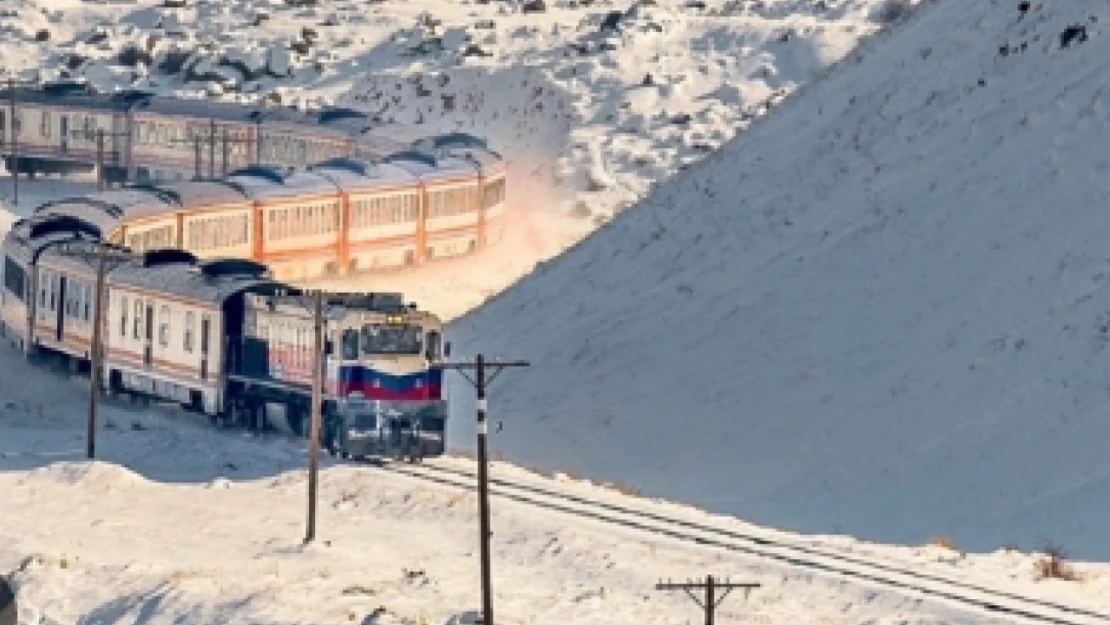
{"x":380,"y":338}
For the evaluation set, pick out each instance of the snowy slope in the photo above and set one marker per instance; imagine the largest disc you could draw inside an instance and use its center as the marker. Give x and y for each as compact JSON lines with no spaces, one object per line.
{"x":589,"y":116}
{"x":879,"y":312}
{"x":180,"y":522}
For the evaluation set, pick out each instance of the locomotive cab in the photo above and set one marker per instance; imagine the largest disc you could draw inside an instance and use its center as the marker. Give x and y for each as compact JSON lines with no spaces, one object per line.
{"x":389,"y":396}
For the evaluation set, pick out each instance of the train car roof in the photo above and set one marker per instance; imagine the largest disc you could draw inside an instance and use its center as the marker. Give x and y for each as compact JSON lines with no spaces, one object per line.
{"x":208,"y":109}
{"x":107,"y":209}
{"x":349,"y":121}
{"x":180,"y":274}
{"x":190,"y":194}
{"x":431,"y":167}
{"x":461,"y":145}
{"x":73,"y":263}
{"x":73,"y":95}
{"x":450,"y":140}
{"x":359,"y":174}
{"x":30,"y":236}
{"x":262,"y":182}
{"x":377,"y":148}
{"x":275,"y":117}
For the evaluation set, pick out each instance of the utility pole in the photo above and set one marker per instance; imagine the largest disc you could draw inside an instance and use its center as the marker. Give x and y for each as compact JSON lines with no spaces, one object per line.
{"x":196,"y":156}
{"x":101,"y":176}
{"x":212,"y":150}
{"x":226,"y":151}
{"x":198,"y":141}
{"x":710,"y":585}
{"x":14,"y":139}
{"x":106,"y":254}
{"x":480,"y":382}
{"x":99,"y":160}
{"x":317,"y":409}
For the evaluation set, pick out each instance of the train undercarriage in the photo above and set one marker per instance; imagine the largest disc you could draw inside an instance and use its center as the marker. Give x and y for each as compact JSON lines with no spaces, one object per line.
{"x":262,"y":406}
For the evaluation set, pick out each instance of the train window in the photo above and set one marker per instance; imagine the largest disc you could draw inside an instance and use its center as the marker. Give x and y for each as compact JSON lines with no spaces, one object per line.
{"x":164,"y":326}
{"x":137,"y":325}
{"x":391,"y":339}
{"x":205,"y":322}
{"x":350,"y":344}
{"x":190,"y":327}
{"x":14,"y":278}
{"x":432,"y":351}
{"x":53,"y":292}
{"x":3,"y":126}
{"x":88,"y":300}
{"x":123,"y":317}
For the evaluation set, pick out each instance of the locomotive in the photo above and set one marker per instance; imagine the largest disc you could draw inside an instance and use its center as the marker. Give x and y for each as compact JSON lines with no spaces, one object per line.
{"x":223,"y":338}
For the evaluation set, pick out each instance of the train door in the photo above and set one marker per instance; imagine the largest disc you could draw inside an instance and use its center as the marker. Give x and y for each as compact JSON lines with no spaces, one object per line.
{"x":205,"y":330}
{"x":64,"y":121}
{"x":148,"y":340}
{"x":59,"y":331}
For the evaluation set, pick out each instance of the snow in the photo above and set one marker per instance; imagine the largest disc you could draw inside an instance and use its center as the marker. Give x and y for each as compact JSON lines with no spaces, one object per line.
{"x":179,"y":521}
{"x":562,"y":97}
{"x":878,"y":312}
{"x":875,"y":313}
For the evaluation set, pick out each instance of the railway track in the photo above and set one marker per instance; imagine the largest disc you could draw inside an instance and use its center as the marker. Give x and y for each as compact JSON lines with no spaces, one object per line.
{"x":955,"y":592}
{"x":959,"y":593}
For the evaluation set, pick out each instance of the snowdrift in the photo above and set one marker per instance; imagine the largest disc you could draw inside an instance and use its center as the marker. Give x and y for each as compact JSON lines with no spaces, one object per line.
{"x":880,"y":311}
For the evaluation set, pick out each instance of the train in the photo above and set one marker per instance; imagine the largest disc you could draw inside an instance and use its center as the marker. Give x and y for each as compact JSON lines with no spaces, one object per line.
{"x":223,"y":338}
{"x":310,"y":195}
{"x":148,"y":136}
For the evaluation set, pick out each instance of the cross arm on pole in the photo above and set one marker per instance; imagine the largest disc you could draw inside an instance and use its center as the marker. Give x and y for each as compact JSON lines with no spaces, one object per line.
{"x":687,"y":587}
{"x":465,"y":366}
{"x":492,"y":362}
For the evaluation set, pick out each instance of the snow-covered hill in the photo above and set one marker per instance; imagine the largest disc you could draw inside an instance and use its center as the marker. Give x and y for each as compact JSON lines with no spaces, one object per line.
{"x":180,"y":522}
{"x":593,"y":101}
{"x":882,"y":311}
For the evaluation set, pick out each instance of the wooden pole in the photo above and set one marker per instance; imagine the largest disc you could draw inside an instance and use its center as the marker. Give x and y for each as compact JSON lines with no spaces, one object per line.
{"x":226,"y":152}
{"x":14,"y":141}
{"x":212,"y":150}
{"x":317,"y":392}
{"x":100,"y":160}
{"x":196,"y":157}
{"x":96,"y":358}
{"x":710,"y":607}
